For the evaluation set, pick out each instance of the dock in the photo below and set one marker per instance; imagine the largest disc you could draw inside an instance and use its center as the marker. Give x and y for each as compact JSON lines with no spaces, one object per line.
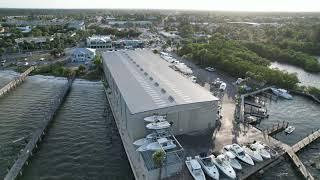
{"x":277,"y":128}
{"x":252,"y":133}
{"x":15,"y":82}
{"x":37,"y":136}
{"x":306,"y":141}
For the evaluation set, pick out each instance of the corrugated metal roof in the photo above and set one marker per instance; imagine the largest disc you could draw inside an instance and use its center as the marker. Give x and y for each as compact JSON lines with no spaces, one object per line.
{"x":146,"y":81}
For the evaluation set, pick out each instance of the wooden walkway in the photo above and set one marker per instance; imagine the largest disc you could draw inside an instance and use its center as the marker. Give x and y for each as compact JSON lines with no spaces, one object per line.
{"x":295,"y":159}
{"x":32,"y":145}
{"x":12,"y":84}
{"x":306,"y":141}
{"x":277,"y":128}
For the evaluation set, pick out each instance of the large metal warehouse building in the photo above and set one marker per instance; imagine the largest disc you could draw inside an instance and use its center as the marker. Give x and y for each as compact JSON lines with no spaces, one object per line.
{"x":140,"y":84}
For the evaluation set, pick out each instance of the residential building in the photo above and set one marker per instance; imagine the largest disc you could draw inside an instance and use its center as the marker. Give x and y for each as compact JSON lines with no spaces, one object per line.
{"x":99,"y":42}
{"x":83,"y":55}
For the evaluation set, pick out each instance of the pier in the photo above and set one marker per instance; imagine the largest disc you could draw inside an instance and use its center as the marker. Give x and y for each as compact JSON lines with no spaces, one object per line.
{"x":248,"y":133}
{"x":37,"y":136}
{"x":277,"y":128}
{"x":14,"y":83}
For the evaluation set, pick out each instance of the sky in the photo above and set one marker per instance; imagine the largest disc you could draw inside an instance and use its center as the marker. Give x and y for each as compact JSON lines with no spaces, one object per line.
{"x":221,"y":5}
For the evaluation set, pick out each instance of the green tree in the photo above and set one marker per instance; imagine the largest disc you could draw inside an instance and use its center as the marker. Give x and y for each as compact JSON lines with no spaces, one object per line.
{"x":158,"y":158}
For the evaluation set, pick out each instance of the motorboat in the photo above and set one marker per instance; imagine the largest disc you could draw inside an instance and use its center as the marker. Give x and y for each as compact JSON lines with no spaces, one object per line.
{"x":158,"y":125}
{"x":221,"y":162}
{"x":208,"y":166}
{"x":231,"y":158}
{"x":260,"y":149}
{"x":271,"y":151}
{"x":142,"y":141}
{"x":195,"y":169}
{"x":289,"y":129}
{"x":223,"y":86}
{"x":239,"y":153}
{"x":155,"y":118}
{"x":143,"y":148}
{"x":158,"y":134}
{"x":162,"y":143}
{"x":254,"y":154}
{"x":282,"y":93}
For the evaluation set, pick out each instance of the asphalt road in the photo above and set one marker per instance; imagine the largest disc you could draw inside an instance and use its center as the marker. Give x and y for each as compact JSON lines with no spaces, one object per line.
{"x":205,"y":78}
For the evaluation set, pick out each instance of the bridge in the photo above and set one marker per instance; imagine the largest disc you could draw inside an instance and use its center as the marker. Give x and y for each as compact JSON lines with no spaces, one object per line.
{"x":15,"y":82}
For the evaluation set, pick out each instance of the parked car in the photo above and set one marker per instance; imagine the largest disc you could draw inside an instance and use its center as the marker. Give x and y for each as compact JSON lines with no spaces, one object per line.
{"x":210,"y":69}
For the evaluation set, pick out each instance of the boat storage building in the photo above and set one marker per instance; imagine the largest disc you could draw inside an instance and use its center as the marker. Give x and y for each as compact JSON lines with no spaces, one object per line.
{"x":140,"y":84}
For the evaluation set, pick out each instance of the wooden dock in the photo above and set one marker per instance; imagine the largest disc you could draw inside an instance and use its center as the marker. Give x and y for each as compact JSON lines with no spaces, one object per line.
{"x":277,"y":128}
{"x":306,"y":141}
{"x":37,"y":136}
{"x":15,"y":82}
{"x":297,"y":162}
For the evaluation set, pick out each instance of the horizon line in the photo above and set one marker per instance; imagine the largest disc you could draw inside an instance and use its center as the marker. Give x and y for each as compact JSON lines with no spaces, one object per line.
{"x":155,"y":9}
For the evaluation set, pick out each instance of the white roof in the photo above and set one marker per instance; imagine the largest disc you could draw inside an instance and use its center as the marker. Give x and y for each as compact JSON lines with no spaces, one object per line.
{"x":146,"y":82}
{"x":83,"y":51}
{"x":100,"y":38}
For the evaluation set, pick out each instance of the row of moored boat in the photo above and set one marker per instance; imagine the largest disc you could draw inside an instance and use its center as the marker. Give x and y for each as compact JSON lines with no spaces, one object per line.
{"x":229,"y":160}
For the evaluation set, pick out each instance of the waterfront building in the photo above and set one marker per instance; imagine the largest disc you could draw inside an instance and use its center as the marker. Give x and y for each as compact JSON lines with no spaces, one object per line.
{"x":141,"y":84}
{"x":99,"y":42}
{"x":83,"y":55}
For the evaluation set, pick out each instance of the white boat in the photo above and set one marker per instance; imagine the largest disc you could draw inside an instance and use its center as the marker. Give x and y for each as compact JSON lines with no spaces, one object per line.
{"x":157,"y":135}
{"x":142,"y":141}
{"x":289,"y":129}
{"x":143,"y":148}
{"x":271,"y":151}
{"x":239,"y":153}
{"x":195,"y":169}
{"x":155,"y":118}
{"x":158,"y":125}
{"x":232,"y":160}
{"x":208,"y":166}
{"x":254,"y":154}
{"x":221,"y":162}
{"x":162,"y":143}
{"x":260,"y":149}
{"x":282,"y":93}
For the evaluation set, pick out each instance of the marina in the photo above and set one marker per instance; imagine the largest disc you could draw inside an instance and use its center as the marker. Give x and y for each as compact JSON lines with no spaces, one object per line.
{"x":228,"y":133}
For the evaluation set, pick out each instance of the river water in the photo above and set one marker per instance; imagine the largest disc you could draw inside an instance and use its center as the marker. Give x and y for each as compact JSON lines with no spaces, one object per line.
{"x":306,"y":79}
{"x":82,"y":142}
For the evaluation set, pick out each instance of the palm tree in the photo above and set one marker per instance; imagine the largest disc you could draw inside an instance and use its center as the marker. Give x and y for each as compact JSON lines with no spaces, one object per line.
{"x":158,"y":158}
